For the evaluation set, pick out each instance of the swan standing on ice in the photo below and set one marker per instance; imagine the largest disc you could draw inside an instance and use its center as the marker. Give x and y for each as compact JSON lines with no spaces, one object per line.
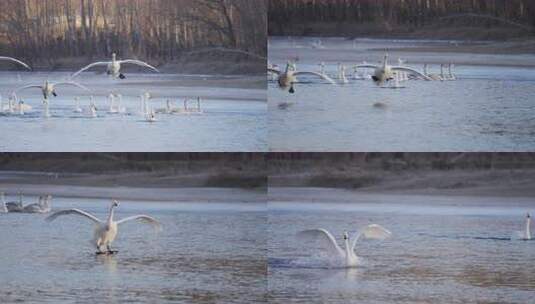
{"x":105,"y":231}
{"x":287,"y":79}
{"x":3,"y":207}
{"x":2,"y":58}
{"x":346,"y":254}
{"x":48,"y":89}
{"x":113,"y":67}
{"x":384,"y":72}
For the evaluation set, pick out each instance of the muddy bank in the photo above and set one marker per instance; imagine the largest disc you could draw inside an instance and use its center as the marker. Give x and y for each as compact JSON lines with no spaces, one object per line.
{"x":506,"y":183}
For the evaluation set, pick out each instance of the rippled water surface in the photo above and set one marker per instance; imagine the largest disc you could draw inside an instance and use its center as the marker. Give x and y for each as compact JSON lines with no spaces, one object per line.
{"x":206,"y":253}
{"x":490,"y":107}
{"x":233,"y":119}
{"x":439,"y":252}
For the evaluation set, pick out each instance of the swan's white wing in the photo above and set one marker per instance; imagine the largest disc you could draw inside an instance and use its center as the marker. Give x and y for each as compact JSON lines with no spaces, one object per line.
{"x":373,"y":231}
{"x":72,"y":211}
{"x":366,"y":66}
{"x":142,"y":218}
{"x":27,"y":87}
{"x":16,"y":61}
{"x":104,"y":63}
{"x":327,"y":240}
{"x":274,"y":71}
{"x":73,"y":84}
{"x":410,"y":70}
{"x":322,"y":76}
{"x":140,"y":63}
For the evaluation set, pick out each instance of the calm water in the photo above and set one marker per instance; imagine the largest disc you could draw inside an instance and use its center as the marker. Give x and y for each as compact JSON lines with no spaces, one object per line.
{"x":488,"y":108}
{"x":439,"y":252}
{"x":234,"y":119}
{"x":205,"y":253}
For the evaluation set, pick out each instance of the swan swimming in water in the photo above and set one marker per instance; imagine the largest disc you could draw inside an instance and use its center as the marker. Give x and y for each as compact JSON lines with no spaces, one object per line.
{"x":524,"y":234}
{"x":2,"y":58}
{"x":15,"y":206}
{"x":77,"y":108}
{"x":105,"y":231}
{"x":113,"y":67}
{"x":287,"y":79}
{"x":384,"y":72}
{"x":42,"y":206}
{"x":347,"y":254}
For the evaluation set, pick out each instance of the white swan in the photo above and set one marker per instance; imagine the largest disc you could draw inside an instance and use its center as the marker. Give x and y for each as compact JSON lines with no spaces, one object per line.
{"x":113,"y":108}
{"x":113,"y":67}
{"x":346,"y":254}
{"x":77,"y":108}
{"x":42,"y":206}
{"x":527,"y":232}
{"x":342,"y":74}
{"x":431,"y":76}
{"x":2,"y":58}
{"x":105,"y":231}
{"x":92,"y":108}
{"x":48,"y":89}
{"x":287,"y":79}
{"x":384,"y":72}
{"x":3,"y":207}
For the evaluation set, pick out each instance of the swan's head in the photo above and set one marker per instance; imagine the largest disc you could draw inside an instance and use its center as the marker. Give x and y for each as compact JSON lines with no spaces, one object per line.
{"x":346,"y":236}
{"x":114,"y":204}
{"x":528,"y":215}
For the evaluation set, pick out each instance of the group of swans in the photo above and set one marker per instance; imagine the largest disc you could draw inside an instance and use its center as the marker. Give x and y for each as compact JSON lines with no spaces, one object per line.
{"x":42,"y":206}
{"x":113,"y":68}
{"x":105,"y":230}
{"x":442,"y":76}
{"x":382,"y":72}
{"x":345,"y":255}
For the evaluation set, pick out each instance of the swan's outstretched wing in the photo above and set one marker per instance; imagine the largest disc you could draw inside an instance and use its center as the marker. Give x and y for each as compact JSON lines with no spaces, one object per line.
{"x":322,"y":76}
{"x":53,"y":216}
{"x":373,"y":231}
{"x":411,"y":71}
{"x":73,"y":84}
{"x":327,"y":240}
{"x":94,"y":64}
{"x":16,"y":61}
{"x":140,"y":63}
{"x":26,"y":87}
{"x":366,"y":66}
{"x":270,"y":70}
{"x":142,"y":218}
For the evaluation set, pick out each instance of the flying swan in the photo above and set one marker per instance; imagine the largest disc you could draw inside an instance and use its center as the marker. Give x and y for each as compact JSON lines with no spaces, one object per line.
{"x":113,"y":67}
{"x":2,"y":58}
{"x":105,"y":231}
{"x":287,"y":79}
{"x":385,"y":72}
{"x":346,"y":254}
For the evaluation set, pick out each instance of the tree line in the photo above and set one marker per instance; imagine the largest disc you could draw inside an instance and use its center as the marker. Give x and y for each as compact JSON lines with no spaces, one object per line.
{"x":392,"y":13}
{"x":44,"y":30}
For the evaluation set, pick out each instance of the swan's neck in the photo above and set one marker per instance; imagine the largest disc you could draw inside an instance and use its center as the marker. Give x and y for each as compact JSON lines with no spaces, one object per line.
{"x":348,"y":249}
{"x":113,"y":57}
{"x":528,"y":231}
{"x":2,"y":198}
{"x":385,"y":61}
{"x":110,"y":217}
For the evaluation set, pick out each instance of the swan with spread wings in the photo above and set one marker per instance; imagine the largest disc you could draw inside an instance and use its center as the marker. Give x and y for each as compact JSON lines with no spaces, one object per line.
{"x":105,"y":231}
{"x":287,"y":79}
